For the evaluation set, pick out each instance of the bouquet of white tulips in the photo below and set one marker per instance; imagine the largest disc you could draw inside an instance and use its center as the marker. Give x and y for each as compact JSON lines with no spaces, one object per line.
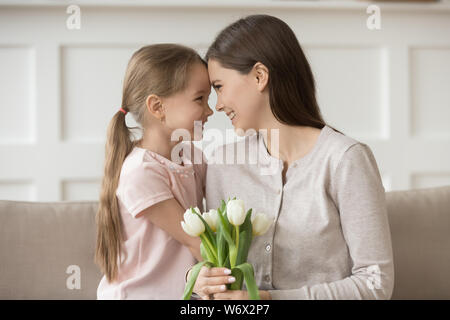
{"x":226,"y":235}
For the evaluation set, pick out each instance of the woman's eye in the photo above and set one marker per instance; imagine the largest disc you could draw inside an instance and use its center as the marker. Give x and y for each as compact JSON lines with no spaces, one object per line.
{"x":218,"y":86}
{"x":199,"y":99}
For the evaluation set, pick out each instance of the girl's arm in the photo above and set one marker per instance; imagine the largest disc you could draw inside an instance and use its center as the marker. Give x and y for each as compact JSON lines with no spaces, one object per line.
{"x":168,"y":215}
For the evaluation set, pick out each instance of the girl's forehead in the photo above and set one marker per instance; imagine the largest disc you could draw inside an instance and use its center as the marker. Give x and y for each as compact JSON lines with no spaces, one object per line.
{"x":199,"y":80}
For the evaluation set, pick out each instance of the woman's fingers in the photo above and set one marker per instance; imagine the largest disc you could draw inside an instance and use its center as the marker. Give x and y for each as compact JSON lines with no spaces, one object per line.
{"x":213,"y":272}
{"x":231,"y":295}
{"x":221,"y":296}
{"x":211,"y":281}
{"x":215,"y":277}
{"x":211,"y":290}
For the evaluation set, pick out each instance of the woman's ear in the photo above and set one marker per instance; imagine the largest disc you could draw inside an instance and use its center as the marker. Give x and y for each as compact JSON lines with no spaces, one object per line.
{"x":261,"y":76}
{"x":155,"y":107}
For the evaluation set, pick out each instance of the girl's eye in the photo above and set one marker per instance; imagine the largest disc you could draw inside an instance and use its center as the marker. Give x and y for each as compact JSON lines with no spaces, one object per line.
{"x":199,"y":98}
{"x":217,"y":86}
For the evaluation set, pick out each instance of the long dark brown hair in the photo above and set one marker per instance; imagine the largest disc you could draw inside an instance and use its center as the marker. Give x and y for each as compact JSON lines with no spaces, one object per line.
{"x":270,"y":41}
{"x":160,"y":69}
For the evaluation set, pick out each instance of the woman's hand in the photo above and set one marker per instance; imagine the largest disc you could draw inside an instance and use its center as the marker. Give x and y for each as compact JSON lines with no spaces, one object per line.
{"x":211,"y":281}
{"x":240,"y":295}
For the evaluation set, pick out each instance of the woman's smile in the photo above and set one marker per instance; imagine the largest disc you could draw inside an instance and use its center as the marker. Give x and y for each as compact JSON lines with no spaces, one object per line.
{"x":232,"y":116}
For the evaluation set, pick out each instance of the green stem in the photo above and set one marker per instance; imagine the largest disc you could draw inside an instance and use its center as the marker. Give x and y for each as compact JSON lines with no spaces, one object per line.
{"x":208,"y":243}
{"x":237,"y":237}
{"x":234,"y":250}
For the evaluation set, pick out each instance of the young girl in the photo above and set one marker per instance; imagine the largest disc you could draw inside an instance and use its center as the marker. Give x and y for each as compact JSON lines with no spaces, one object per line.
{"x":147,"y":186}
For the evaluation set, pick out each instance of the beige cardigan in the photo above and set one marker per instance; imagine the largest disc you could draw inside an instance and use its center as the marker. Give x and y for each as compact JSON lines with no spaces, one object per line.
{"x":331,"y":237}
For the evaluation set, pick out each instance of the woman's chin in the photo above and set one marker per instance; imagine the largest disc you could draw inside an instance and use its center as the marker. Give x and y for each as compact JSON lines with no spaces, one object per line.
{"x":243,"y":131}
{"x":239,"y":132}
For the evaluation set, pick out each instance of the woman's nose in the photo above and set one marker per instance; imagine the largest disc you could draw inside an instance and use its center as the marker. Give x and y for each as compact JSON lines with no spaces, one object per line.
{"x":219,"y":106}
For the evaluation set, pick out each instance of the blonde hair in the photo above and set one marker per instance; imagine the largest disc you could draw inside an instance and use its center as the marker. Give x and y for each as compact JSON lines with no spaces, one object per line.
{"x":160,"y":69}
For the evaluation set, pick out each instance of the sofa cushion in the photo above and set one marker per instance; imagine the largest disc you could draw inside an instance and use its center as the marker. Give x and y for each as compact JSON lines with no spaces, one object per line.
{"x":39,"y":241}
{"x":420,"y":229}
{"x":38,"y":244}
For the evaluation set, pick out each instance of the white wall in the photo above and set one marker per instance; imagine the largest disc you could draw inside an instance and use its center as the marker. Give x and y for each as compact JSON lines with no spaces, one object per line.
{"x":59,"y":88}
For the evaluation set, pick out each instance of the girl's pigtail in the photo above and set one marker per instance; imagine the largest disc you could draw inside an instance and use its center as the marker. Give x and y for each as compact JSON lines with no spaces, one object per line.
{"x":109,"y":224}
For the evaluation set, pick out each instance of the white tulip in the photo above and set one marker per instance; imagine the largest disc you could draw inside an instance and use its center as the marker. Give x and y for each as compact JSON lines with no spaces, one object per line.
{"x":236,"y":212}
{"x":211,"y":218}
{"x":192,"y":223}
{"x":261,"y":223}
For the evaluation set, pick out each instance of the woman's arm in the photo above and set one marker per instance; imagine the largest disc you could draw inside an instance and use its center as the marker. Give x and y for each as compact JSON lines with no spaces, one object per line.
{"x":358,"y":193}
{"x":168,"y":215}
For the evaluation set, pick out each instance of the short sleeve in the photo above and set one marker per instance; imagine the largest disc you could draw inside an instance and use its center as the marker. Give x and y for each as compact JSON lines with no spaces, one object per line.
{"x":145,"y":186}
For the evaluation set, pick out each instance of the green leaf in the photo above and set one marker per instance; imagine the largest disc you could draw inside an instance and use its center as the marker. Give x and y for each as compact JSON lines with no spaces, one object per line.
{"x":245,"y":239}
{"x":223,"y":211}
{"x":209,"y":233}
{"x":237,"y":284}
{"x":209,"y":253}
{"x":233,"y":255}
{"x":194,"y":275}
{"x":223,"y":206}
{"x":227,"y":263}
{"x":233,"y":234}
{"x":250,"y":283}
{"x":221,"y":246}
{"x":203,"y":252}
{"x":225,"y":231}
{"x":247,"y":222}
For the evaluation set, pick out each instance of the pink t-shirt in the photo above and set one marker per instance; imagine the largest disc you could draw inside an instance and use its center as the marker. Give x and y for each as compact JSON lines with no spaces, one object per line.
{"x":154,"y":263}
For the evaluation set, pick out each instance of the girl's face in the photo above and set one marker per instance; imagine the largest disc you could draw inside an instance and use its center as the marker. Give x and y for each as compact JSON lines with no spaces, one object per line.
{"x":239,"y":95}
{"x":191,"y":104}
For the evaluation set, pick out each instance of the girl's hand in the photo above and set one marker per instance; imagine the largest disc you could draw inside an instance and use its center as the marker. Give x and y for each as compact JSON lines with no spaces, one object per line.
{"x":240,"y":295}
{"x":211,"y":281}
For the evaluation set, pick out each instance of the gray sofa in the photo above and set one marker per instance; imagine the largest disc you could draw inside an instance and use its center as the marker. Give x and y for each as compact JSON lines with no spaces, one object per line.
{"x":40,"y":241}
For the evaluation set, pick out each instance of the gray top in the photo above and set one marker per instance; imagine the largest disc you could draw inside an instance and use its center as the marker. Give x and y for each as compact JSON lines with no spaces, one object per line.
{"x":330,"y":238}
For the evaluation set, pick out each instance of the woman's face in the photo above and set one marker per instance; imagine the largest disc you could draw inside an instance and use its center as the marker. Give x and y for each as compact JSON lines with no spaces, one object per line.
{"x":237,"y":93}
{"x":190,"y":105}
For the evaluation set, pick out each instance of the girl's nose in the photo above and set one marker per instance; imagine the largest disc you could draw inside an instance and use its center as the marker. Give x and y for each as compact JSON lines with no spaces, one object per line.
{"x":209,"y":112}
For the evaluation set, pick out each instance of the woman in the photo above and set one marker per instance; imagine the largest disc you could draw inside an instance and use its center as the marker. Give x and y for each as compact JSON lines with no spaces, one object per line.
{"x":330,"y":238}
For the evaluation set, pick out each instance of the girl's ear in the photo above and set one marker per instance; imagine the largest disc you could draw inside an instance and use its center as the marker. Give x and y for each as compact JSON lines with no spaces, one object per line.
{"x":155,"y":107}
{"x":261,"y":76}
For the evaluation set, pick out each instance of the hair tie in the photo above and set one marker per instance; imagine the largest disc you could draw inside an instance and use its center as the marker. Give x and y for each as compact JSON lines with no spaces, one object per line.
{"x":123,"y":110}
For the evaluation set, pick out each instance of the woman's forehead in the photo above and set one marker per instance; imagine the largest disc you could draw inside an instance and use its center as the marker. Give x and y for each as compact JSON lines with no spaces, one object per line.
{"x":217,"y":71}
